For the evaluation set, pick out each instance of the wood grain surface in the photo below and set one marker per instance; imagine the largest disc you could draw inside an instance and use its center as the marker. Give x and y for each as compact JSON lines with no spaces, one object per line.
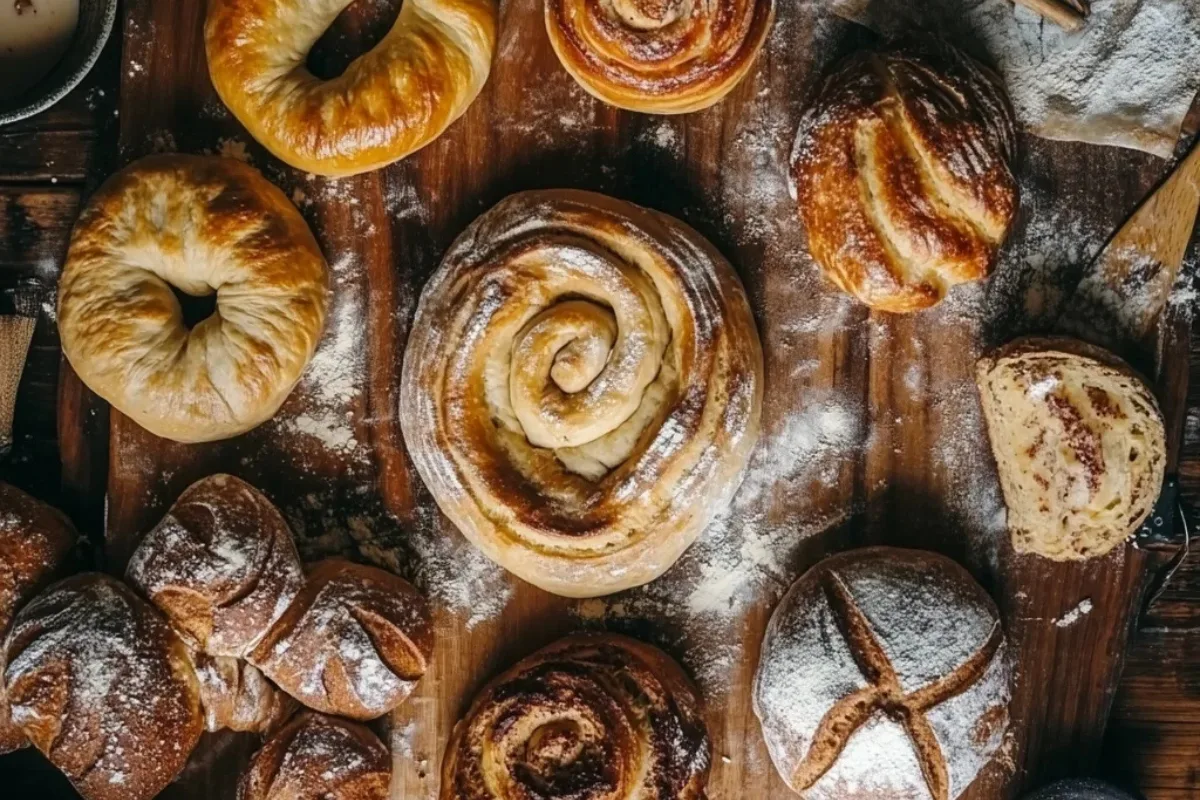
{"x":912,"y":476}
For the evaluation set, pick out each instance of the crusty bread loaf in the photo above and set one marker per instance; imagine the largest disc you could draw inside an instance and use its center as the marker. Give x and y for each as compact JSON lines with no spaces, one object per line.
{"x":102,"y":685}
{"x":35,"y":546}
{"x":590,"y":716}
{"x":1079,"y":443}
{"x":235,"y":695}
{"x":354,"y":642}
{"x":884,"y":674}
{"x":902,"y":175}
{"x":316,"y":757}
{"x":221,"y":565}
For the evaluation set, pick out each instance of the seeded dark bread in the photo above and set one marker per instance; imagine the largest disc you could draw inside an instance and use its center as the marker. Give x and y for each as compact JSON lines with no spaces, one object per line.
{"x":884,"y":673}
{"x":1079,"y":443}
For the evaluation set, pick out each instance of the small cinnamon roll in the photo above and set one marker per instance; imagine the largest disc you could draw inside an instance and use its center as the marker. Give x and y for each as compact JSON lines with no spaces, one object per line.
{"x":591,"y":717}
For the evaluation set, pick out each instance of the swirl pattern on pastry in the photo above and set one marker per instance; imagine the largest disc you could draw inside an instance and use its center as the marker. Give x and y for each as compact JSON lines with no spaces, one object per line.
{"x":591,"y":717}
{"x":658,"y":56}
{"x":582,"y":389}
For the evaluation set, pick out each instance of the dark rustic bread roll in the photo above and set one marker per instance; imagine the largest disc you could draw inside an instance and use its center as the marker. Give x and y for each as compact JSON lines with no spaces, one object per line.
{"x":35,"y":544}
{"x":221,"y":565}
{"x":102,"y":685}
{"x":1079,"y":789}
{"x":354,"y":642}
{"x":884,"y":673}
{"x":590,"y":716}
{"x":901,"y":171}
{"x":316,"y":757}
{"x":237,"y":696}
{"x":1079,"y":443}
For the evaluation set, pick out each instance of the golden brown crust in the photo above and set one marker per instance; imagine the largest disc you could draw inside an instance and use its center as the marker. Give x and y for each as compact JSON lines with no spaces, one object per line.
{"x":35,"y":546}
{"x":354,"y":642}
{"x":221,"y":565}
{"x":1079,"y":441}
{"x":658,"y":56}
{"x":591,"y":716}
{"x":202,"y":225}
{"x":388,"y":103}
{"x":103,"y":687}
{"x":582,"y":389}
{"x":902,"y":174}
{"x":316,"y":757}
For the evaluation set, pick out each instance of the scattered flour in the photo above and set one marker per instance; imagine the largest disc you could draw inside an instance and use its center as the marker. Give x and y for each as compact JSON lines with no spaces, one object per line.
{"x":233,"y":148}
{"x":1127,"y":78}
{"x":1077,"y":613}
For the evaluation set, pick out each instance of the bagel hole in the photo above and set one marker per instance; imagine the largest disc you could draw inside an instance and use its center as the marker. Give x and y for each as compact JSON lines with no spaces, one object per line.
{"x":357,"y":30}
{"x":195,"y":308}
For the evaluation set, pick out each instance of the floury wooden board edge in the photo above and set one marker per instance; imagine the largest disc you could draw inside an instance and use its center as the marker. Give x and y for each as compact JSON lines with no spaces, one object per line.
{"x":907,"y":464}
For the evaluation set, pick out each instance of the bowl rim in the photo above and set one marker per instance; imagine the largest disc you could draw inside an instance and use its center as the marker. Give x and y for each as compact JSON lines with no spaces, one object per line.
{"x":51,"y":98}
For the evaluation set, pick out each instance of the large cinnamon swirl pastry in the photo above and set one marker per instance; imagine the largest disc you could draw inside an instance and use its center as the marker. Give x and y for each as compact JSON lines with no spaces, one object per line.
{"x":582,"y":389}
{"x":591,"y":717}
{"x":658,"y":56}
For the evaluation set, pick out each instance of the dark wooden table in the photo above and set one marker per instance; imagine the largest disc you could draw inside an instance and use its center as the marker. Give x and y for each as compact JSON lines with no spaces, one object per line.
{"x":48,"y":165}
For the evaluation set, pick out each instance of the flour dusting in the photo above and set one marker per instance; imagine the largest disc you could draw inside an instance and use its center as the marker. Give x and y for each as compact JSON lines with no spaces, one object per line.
{"x":1081,"y":610}
{"x":1127,"y":78}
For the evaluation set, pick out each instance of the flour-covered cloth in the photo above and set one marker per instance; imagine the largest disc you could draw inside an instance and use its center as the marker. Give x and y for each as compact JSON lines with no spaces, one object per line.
{"x":1127,"y":78}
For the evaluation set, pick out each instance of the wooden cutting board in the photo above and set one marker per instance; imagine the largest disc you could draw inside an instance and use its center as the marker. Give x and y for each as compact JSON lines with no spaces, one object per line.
{"x":871,"y":427}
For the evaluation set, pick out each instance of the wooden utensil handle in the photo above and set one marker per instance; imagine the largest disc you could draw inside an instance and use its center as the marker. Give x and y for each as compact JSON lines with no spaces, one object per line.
{"x":1057,"y":11}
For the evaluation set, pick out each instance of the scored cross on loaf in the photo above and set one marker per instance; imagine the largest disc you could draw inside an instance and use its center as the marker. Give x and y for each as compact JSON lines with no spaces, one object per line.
{"x":884,"y":673}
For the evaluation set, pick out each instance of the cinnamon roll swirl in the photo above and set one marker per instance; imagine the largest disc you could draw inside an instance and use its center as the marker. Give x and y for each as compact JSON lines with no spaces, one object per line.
{"x":582,"y":389}
{"x":591,"y":717}
{"x":658,"y":56}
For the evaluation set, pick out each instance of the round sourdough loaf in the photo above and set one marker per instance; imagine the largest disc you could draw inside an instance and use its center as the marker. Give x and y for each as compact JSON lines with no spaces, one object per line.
{"x":221,"y":565}
{"x":884,"y":673}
